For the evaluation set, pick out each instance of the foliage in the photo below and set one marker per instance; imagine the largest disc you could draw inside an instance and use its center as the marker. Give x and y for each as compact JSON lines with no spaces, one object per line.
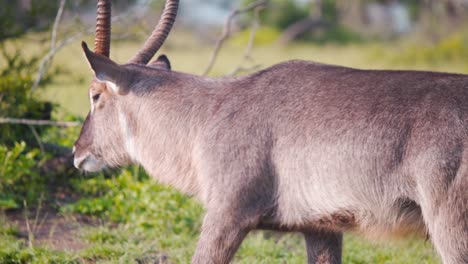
{"x":17,"y":18}
{"x":16,"y":99}
{"x":127,"y":199}
{"x":330,"y":11}
{"x":282,"y":14}
{"x":333,"y":31}
{"x":62,"y":136}
{"x":142,"y":207}
{"x":21,"y":182}
{"x":19,"y":179}
{"x":335,"y":34}
{"x":20,"y":17}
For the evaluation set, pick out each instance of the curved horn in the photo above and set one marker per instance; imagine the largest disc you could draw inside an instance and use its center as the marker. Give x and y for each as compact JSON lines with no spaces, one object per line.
{"x":159,"y":34}
{"x":103,"y":28}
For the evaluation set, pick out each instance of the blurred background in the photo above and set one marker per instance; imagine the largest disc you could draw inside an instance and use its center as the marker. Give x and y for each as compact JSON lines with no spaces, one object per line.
{"x":49,"y":212}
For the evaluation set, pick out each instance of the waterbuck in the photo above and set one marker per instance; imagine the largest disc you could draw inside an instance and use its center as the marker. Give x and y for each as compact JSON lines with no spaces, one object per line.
{"x":298,"y":147}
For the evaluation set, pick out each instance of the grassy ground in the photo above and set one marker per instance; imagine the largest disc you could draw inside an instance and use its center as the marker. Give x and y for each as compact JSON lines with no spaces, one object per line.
{"x":125,"y":217}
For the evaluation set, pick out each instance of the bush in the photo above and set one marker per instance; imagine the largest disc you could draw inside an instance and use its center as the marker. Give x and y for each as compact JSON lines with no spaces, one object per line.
{"x":335,"y":34}
{"x":17,"y":19}
{"x":17,"y":100}
{"x":283,"y":13}
{"x":143,"y":208}
{"x":19,"y":179}
{"x":136,"y":199}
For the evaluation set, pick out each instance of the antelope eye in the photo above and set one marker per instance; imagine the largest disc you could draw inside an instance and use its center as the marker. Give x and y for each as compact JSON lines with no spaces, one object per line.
{"x":96,"y":97}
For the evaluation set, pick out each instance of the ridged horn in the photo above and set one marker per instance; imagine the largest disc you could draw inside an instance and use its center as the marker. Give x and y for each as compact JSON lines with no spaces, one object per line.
{"x":159,"y":34}
{"x":103,"y":28}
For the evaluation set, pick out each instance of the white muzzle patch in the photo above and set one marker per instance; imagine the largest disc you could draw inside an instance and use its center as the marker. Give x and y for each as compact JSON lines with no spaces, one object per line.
{"x":88,"y":163}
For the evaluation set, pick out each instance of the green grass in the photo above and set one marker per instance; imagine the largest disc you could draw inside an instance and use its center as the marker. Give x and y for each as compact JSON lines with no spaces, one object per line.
{"x":15,"y":250}
{"x":141,"y":220}
{"x":144,"y":220}
{"x":136,"y":220}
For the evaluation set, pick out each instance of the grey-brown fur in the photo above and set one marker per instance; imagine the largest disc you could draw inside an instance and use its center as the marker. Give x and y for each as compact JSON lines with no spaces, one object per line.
{"x":300,"y":147}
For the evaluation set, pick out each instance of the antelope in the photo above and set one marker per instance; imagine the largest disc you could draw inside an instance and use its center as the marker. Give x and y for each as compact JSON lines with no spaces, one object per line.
{"x":298,"y":147}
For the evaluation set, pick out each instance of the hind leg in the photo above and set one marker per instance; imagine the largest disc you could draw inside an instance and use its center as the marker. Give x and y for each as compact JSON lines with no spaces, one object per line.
{"x":323,"y":247}
{"x":446,"y":215}
{"x":448,"y":227}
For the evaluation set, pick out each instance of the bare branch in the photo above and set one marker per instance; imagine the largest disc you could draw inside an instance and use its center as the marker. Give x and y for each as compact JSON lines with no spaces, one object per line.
{"x":227,"y":30}
{"x":56,"y":23}
{"x":47,"y":59}
{"x":242,"y":69}
{"x":45,"y":63}
{"x":38,"y":139}
{"x":248,"y":50}
{"x":39,"y":122}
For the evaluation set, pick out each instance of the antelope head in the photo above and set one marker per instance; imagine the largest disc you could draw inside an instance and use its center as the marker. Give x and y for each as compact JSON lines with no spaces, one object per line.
{"x":101,"y":142}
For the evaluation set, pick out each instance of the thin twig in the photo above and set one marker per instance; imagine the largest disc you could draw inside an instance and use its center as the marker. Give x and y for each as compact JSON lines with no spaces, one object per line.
{"x":37,"y":224}
{"x":242,"y":69}
{"x":47,"y":59}
{"x":46,"y":63}
{"x":39,"y":122}
{"x":56,"y":23}
{"x":38,"y":139}
{"x":28,"y":226}
{"x":248,"y":50}
{"x":227,"y":31}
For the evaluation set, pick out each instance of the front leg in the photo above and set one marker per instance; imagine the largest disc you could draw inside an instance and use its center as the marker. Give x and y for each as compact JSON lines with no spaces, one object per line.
{"x":220,"y":238}
{"x":323,"y":247}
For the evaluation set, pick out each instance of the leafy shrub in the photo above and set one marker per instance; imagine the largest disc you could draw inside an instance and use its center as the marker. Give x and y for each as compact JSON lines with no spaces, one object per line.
{"x":16,"y":99}
{"x":143,"y":208}
{"x":284,"y":13}
{"x":17,"y":102}
{"x":129,"y":198}
{"x":19,"y":178}
{"x":335,"y":34}
{"x":62,"y":136}
{"x":16,"y":19}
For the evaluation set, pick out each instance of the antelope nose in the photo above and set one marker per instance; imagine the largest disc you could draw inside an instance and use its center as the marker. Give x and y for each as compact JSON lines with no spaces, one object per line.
{"x":78,"y":161}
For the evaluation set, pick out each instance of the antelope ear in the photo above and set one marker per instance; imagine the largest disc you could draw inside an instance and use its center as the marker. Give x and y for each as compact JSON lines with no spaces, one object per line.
{"x":161,"y":63}
{"x":115,"y":76}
